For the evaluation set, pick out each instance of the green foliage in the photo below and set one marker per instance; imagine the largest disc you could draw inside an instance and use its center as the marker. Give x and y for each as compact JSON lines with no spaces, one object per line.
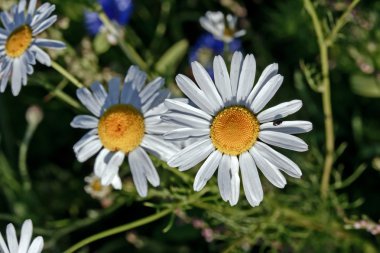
{"x":174,"y":218}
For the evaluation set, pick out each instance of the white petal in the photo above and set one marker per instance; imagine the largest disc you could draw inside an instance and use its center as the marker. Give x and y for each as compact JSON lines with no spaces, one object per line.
{"x":41,"y":55}
{"x":37,"y":245}
{"x":282,"y":140}
{"x":89,"y":136}
{"x":278,"y":159}
{"x":198,"y":157}
{"x":138,"y":175}
{"x":159,"y":147}
{"x":114,"y":92}
{"x":88,"y":100}
{"x":279,"y":111}
{"x":16,"y":77}
{"x":85,"y":122}
{"x":99,"y":93}
{"x":26,"y":236}
{"x":185,"y":133}
{"x":206,"y":84}
{"x":198,"y":97}
{"x":46,"y":43}
{"x":116,"y":183}
{"x":251,"y":180}
{"x":112,"y":168}
{"x":222,"y":79}
{"x":236,"y":64}
{"x":3,"y":245}
{"x":44,"y":25}
{"x":235,"y":181}
{"x":151,"y":88}
{"x":147,"y":166}
{"x":88,"y":150}
{"x":207,"y":169}
{"x":266,"y":93}
{"x":224,"y":177}
{"x":186,"y":120}
{"x":288,"y":127}
{"x":269,"y":72}
{"x":270,"y":171}
{"x":101,"y":161}
{"x":175,"y":105}
{"x":12,"y":238}
{"x":189,"y":153}
{"x":247,"y":78}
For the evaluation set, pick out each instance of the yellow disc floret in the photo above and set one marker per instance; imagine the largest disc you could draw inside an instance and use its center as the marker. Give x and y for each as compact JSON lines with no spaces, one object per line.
{"x":234,"y":130}
{"x":121,"y":128}
{"x":18,"y":41}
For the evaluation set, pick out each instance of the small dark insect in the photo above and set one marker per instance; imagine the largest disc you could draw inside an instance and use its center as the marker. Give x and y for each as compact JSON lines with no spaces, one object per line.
{"x":277,"y":122}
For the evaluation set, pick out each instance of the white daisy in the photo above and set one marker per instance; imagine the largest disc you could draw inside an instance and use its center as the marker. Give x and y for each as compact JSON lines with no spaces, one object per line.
{"x":23,"y":246}
{"x":99,"y":191}
{"x":19,"y":47}
{"x":126,"y":123}
{"x":233,"y":129}
{"x":215,"y":23}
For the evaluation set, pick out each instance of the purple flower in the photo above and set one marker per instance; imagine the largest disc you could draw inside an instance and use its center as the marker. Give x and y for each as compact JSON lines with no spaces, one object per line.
{"x":119,"y":11}
{"x":207,"y":47}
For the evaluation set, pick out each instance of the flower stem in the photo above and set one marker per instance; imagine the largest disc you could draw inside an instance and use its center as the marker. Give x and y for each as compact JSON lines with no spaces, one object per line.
{"x":128,"y":50}
{"x":118,"y":229}
{"x":66,"y":74}
{"x":324,"y":42}
{"x":326,"y":99}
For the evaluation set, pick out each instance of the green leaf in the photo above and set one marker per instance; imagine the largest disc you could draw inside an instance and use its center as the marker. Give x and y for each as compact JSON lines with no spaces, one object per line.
{"x":366,"y":86}
{"x":172,"y":57}
{"x":101,"y":44}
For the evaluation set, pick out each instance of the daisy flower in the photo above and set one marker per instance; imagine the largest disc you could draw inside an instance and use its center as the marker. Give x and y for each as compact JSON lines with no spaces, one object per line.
{"x":19,"y":46}
{"x":215,"y":23}
{"x":23,"y":246}
{"x":126,"y":123}
{"x":233,"y":129}
{"x":99,"y":191}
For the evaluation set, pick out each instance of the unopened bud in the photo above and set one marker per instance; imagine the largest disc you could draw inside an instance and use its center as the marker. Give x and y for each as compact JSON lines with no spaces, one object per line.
{"x":34,"y":115}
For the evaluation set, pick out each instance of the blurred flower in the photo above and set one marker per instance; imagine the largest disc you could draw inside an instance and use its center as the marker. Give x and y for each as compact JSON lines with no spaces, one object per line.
{"x":99,"y":191}
{"x":118,"y":11}
{"x":23,"y":246}
{"x":368,"y":225}
{"x":229,"y":120}
{"x":126,"y":123}
{"x":19,"y":47}
{"x":215,"y":23}
{"x":207,"y":47}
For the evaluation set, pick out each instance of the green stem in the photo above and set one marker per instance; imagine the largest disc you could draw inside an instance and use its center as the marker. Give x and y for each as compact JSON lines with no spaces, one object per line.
{"x":118,"y":229}
{"x":31,"y":128}
{"x":60,"y":94}
{"x":128,"y":50}
{"x":341,"y":22}
{"x":326,"y":99}
{"x":66,"y":74}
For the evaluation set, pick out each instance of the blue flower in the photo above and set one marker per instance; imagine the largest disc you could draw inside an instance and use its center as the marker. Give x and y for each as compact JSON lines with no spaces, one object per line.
{"x":118,"y":11}
{"x":207,"y":47}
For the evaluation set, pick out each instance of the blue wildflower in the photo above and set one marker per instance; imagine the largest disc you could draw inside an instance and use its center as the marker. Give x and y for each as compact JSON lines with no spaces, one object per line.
{"x":119,"y":11}
{"x":207,"y":47}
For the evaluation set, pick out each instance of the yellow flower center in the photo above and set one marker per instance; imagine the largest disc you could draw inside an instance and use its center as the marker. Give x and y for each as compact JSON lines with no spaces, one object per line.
{"x":234,"y":130}
{"x":229,"y":33}
{"x":121,"y":128}
{"x":96,"y":186}
{"x":18,"y":41}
